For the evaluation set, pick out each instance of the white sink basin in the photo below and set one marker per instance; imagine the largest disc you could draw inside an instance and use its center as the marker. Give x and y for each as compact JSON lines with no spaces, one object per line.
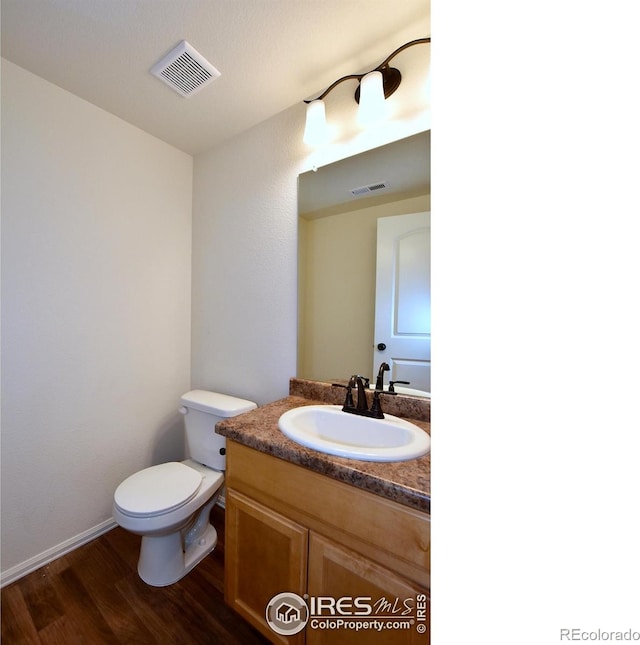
{"x":328,"y":429}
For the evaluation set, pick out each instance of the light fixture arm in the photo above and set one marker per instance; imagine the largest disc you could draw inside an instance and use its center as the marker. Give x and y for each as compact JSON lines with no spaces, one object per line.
{"x":418,"y":41}
{"x":340,"y":80}
{"x":383,"y":67}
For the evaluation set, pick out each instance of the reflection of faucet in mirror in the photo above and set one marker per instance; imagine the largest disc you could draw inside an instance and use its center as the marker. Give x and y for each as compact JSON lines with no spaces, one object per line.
{"x":393,"y":383}
{"x":380,"y":380}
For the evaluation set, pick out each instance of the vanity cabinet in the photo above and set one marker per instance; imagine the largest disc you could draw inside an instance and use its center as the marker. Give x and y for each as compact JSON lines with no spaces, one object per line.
{"x":265,"y":554}
{"x":289,"y":529}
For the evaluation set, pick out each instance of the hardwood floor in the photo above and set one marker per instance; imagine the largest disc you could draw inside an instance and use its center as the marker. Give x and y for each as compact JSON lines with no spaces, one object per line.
{"x":94,"y":595}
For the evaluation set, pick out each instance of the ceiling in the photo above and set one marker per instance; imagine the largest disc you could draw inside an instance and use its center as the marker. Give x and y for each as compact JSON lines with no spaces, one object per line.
{"x":272,"y":54}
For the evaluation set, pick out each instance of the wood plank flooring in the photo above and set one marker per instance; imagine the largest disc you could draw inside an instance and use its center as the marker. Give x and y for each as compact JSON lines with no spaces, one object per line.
{"x":94,"y":596}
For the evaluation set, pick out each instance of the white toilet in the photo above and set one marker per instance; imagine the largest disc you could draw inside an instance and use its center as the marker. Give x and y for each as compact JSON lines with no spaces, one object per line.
{"x":169,"y":504}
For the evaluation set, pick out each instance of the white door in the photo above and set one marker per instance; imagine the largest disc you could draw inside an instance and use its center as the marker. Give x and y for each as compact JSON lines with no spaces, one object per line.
{"x":403,"y":299}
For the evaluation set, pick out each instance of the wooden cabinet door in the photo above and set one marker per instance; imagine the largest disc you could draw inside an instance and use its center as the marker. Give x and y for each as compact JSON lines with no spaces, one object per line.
{"x":337,"y":572}
{"x":265,"y":554}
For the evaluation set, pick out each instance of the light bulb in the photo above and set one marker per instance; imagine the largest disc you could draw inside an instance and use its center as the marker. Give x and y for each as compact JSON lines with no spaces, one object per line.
{"x":315,"y":130}
{"x":372,"y":105}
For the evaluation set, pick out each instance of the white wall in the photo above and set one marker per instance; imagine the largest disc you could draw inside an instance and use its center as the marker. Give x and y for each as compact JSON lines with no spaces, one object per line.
{"x":245,"y":221}
{"x":96,"y":251}
{"x":244,"y":332}
{"x":244,"y":262}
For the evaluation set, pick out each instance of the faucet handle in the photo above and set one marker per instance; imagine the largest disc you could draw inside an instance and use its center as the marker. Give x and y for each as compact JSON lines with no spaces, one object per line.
{"x":376,"y":408}
{"x":365,"y":379}
{"x":348,"y":401}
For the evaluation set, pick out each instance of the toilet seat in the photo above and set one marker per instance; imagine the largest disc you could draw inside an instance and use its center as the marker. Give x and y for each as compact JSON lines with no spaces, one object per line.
{"x":157,"y":490}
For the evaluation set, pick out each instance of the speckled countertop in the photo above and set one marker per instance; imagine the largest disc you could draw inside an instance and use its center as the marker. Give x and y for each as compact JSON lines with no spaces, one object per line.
{"x":405,"y":482}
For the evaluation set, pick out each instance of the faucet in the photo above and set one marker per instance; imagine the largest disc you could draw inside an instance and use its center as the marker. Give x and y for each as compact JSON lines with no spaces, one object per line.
{"x":359,"y":382}
{"x":362,"y":407}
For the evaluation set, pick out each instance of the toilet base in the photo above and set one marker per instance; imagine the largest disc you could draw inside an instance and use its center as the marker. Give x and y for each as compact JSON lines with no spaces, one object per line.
{"x":165,"y":559}
{"x":163,"y":562}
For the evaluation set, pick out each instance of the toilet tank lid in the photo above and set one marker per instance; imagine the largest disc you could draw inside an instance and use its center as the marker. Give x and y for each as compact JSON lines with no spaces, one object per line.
{"x":222,"y":405}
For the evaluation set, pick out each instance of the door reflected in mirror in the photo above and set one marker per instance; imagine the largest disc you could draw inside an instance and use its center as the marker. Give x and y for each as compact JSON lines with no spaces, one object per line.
{"x":339,"y":209}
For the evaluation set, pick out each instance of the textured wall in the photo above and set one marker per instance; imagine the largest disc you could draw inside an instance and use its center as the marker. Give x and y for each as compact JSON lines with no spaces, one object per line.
{"x":244,"y":261}
{"x":96,"y":248}
{"x":245,"y":245}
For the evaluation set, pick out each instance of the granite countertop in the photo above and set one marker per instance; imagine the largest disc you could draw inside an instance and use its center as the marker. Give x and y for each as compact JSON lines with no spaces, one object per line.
{"x":405,"y":482}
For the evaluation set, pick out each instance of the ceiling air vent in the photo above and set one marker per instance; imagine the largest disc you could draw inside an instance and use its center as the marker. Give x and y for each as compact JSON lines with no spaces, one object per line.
{"x":371,"y":188}
{"x":185,"y":70}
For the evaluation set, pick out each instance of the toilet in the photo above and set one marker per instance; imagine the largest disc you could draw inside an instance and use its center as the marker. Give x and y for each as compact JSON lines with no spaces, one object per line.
{"x":169,"y":504}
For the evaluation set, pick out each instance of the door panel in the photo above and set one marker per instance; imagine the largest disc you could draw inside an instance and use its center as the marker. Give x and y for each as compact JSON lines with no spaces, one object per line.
{"x":403,"y":299}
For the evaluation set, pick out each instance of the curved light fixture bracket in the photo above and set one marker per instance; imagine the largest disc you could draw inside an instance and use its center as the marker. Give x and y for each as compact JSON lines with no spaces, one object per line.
{"x":391,"y":76}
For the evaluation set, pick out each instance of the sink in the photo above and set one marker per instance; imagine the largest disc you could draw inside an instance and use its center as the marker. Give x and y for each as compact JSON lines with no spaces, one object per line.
{"x":328,"y":429}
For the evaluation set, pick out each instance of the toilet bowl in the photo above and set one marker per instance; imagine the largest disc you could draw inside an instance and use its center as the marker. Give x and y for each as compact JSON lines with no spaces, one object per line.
{"x":169,"y":504}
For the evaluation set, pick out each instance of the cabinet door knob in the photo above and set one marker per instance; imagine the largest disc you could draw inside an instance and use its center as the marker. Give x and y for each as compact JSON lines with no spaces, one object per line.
{"x":382,"y":347}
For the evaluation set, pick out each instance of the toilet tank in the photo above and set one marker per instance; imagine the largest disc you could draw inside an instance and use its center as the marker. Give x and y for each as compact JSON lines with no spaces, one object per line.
{"x":202,"y":410}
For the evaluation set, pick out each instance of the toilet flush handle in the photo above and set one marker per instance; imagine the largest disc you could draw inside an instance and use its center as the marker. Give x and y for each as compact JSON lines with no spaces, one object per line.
{"x":182,"y":410}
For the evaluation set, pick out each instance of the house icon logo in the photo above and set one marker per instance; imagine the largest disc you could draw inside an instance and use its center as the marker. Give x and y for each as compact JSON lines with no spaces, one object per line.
{"x":287,"y":613}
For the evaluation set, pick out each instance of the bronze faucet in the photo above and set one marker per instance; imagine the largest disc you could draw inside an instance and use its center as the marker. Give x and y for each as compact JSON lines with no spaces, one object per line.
{"x":361,"y":383}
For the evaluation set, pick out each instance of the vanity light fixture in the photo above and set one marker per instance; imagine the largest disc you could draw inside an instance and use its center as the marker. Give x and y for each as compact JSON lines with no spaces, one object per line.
{"x":373,"y":88}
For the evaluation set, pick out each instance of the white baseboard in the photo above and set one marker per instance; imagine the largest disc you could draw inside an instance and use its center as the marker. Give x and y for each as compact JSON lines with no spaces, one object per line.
{"x":19,"y":570}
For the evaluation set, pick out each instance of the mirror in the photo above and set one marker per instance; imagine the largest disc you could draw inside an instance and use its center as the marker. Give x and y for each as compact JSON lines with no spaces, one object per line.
{"x":338,"y":208}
